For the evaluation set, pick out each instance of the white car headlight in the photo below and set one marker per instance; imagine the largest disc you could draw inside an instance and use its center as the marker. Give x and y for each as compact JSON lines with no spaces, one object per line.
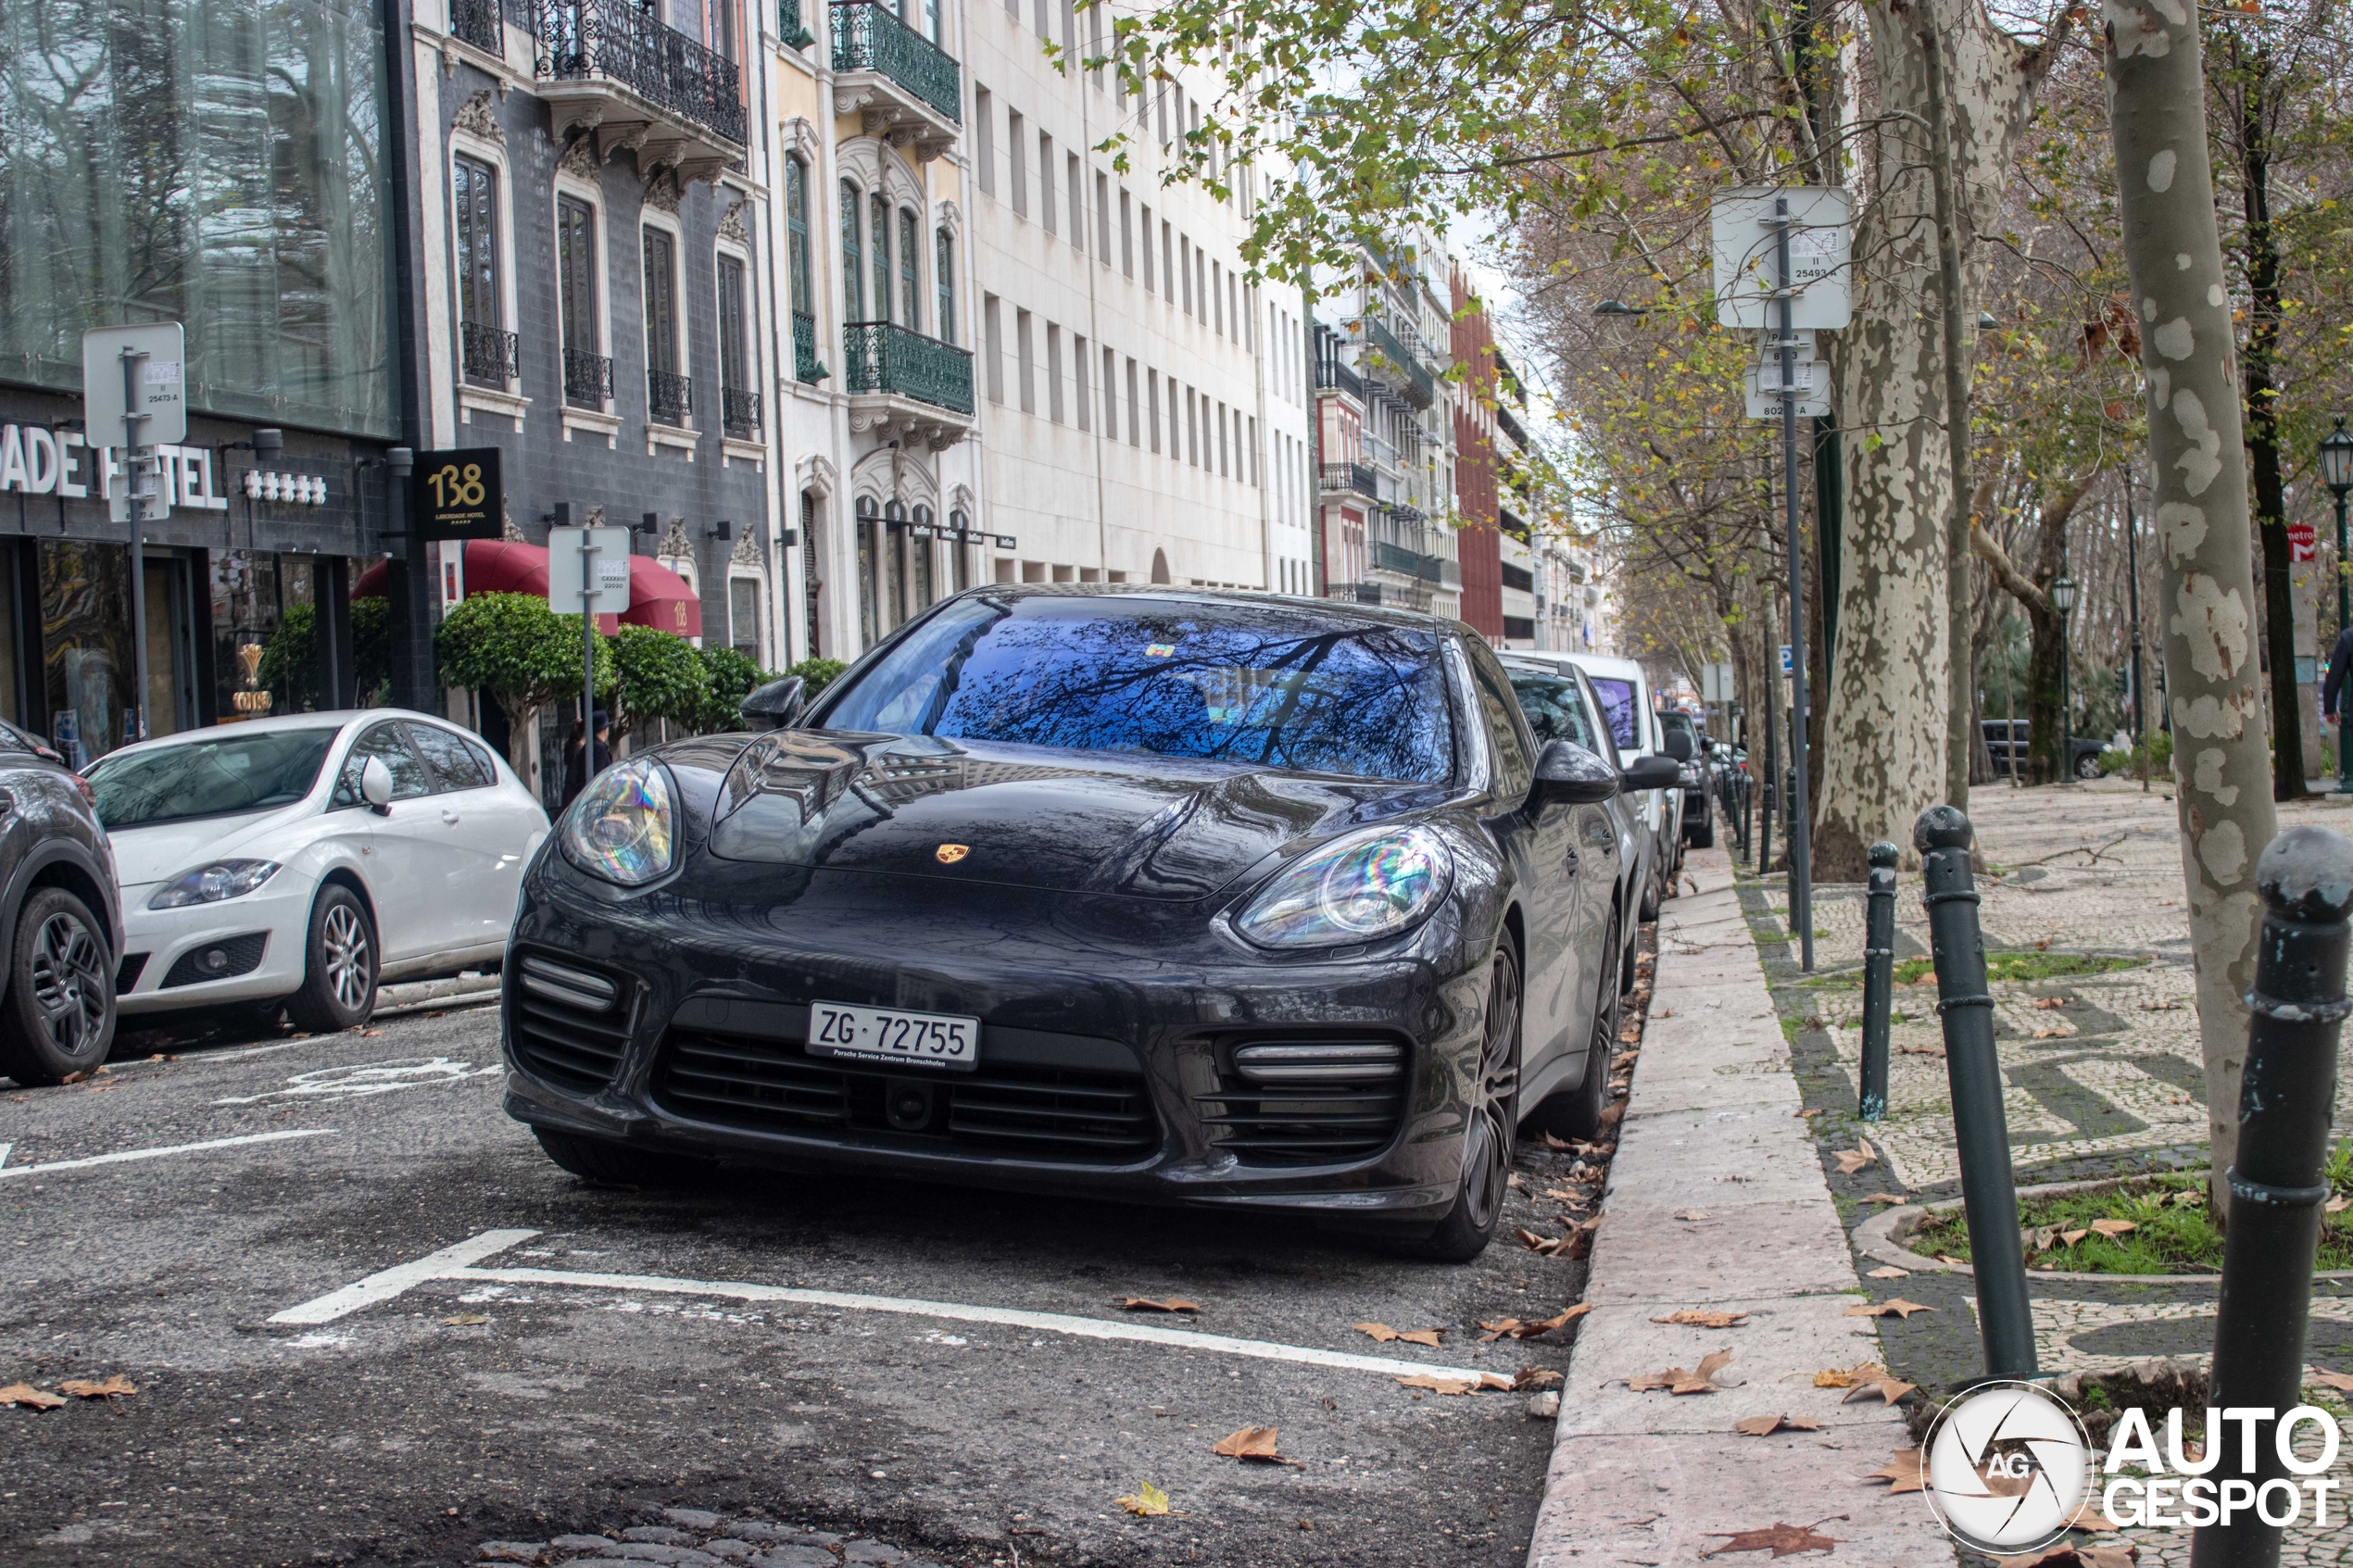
{"x":210,"y":884}
{"x":623,"y":828}
{"x":1364,"y":886}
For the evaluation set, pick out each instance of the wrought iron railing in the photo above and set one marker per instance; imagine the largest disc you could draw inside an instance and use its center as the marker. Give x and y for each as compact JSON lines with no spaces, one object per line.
{"x":885,"y":356}
{"x":476,"y":22}
{"x":1350,"y":476}
{"x":1407,"y":563}
{"x":790,"y":28}
{"x":739,"y":410}
{"x":623,"y":42}
{"x":1397,"y":368}
{"x":587,"y":379}
{"x":806,"y":366}
{"x":868,"y":36}
{"x":487,"y":356}
{"x":1510,"y":425}
{"x":670,"y":397}
{"x":1332,"y":373}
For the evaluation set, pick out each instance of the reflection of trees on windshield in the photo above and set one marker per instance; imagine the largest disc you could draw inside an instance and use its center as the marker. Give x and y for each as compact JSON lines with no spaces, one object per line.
{"x":1224,"y":684}
{"x":208,"y":778}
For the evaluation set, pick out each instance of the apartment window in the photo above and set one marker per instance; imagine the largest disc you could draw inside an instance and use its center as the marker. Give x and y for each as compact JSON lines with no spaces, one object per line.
{"x":911,"y":262}
{"x":1111,"y":398}
{"x":1016,"y":166}
{"x":1078,"y":374}
{"x":944,"y":282}
{"x":1233,"y":302}
{"x":1216,"y":298}
{"x":1200,"y":283}
{"x":1045,"y":23}
{"x":932,"y":22}
{"x":1127,"y":236}
{"x":1148,"y":248}
{"x":662,"y":300}
{"x":1027,"y":364}
{"x":587,"y":375}
{"x":1176,"y":440}
{"x":984,"y":136}
{"x":1070,"y":30}
{"x":1076,"y":175}
{"x":1167,"y":263}
{"x":1134,"y":435}
{"x":738,"y":413}
{"x":797,"y":258}
{"x":992,"y":338}
{"x":1046,"y":180}
{"x":1103,"y":219}
{"x":1255,"y":478}
{"x":878,"y":245}
{"x":1223,"y":472}
{"x":743,"y":617}
{"x":480,"y":310}
{"x":1184,"y":274}
{"x":853,"y":263}
{"x":1192,"y":429}
{"x":1013,"y":9}
{"x":1054,"y":373}
{"x":1152,"y":391}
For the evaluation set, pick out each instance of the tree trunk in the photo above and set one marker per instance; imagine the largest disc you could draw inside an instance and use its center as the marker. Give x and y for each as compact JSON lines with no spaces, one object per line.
{"x":2044,"y":756}
{"x":2173,"y":250}
{"x":1960,"y":670}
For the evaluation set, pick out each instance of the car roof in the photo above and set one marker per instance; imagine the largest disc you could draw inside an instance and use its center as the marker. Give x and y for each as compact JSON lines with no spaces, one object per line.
{"x":337,"y":719}
{"x":1342,"y":611}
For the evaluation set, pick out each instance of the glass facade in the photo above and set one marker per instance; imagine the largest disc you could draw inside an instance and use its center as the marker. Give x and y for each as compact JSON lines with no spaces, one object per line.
{"x":217,"y":165}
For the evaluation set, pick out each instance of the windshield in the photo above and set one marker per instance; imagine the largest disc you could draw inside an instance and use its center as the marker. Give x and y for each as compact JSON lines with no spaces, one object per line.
{"x":1272,"y":684}
{"x":1555,"y":709}
{"x":210,"y":778}
{"x":1617,"y":709}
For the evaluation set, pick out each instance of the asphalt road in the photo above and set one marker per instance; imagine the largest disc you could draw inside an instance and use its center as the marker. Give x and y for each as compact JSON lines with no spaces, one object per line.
{"x":423,"y":1421}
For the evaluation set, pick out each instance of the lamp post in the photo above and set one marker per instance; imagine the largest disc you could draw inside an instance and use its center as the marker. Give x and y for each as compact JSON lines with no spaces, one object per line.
{"x":2336,"y":473}
{"x":2063,"y":600}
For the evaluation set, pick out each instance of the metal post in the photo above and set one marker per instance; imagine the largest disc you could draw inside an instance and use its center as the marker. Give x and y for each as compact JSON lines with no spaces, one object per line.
{"x":1799,"y":831}
{"x":2343,"y":619}
{"x":1980,"y":1128}
{"x":2133,"y":581}
{"x":134,"y":457}
{"x":587,"y":656}
{"x":2278,"y":1184}
{"x":1771,"y":781}
{"x":2067,"y":702}
{"x":1879,"y":978}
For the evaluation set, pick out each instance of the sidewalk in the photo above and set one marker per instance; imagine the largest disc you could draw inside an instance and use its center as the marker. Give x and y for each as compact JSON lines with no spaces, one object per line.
{"x":1717,"y":1200}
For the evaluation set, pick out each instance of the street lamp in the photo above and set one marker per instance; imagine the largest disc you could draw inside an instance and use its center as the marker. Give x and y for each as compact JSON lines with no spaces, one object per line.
{"x":2336,"y":473}
{"x":1618,"y":307}
{"x":2063,"y":600}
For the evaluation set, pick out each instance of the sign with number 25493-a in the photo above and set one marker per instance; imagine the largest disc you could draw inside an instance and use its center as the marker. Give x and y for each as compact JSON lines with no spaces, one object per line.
{"x":456,"y":494}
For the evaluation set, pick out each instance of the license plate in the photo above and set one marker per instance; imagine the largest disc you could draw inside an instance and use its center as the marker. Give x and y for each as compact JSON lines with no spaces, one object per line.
{"x":917,"y":1039}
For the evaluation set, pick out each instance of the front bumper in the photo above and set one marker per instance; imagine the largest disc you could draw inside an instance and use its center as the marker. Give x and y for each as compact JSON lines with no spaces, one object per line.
{"x":1094,"y":994}
{"x":174,"y":945}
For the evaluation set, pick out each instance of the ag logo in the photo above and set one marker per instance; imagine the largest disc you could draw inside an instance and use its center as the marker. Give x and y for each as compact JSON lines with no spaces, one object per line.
{"x":2007,"y":1467}
{"x":948,"y":854}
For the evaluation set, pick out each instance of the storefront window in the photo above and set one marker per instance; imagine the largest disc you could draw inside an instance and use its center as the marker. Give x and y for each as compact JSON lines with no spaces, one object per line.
{"x":85,"y":646}
{"x":217,"y":165}
{"x":252,"y":592}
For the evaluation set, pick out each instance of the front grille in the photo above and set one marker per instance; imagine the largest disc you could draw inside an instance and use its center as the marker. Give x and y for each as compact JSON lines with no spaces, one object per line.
{"x":212,"y":960}
{"x":566,"y":1024}
{"x":127,"y":972}
{"x":1307,"y":1100}
{"x":1014,"y":1109}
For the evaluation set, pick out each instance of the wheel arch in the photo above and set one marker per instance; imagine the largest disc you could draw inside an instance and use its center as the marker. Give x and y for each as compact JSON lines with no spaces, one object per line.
{"x":62,"y":864}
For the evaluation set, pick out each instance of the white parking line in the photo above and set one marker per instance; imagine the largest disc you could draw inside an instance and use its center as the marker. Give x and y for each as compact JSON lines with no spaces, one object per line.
{"x":456,"y":1263}
{"x":130,"y":1154}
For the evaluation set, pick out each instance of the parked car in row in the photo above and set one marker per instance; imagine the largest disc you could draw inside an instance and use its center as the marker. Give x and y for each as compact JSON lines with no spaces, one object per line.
{"x":1150,"y":893}
{"x":1698,"y":827}
{"x":2010,"y":742}
{"x":1560,"y":705}
{"x":60,"y":918}
{"x":300,"y":861}
{"x":1624,"y":691}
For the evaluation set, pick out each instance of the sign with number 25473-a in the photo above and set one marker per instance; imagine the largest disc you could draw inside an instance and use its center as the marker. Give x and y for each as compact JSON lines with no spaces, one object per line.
{"x":456,"y":494}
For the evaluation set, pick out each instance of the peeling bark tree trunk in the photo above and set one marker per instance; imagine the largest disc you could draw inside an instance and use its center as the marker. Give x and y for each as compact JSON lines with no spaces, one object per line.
{"x":1886,"y":733}
{"x":2173,"y":249}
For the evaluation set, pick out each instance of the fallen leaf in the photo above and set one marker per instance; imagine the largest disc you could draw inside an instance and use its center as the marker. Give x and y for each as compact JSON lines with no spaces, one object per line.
{"x":1902,"y":1473}
{"x":2088,"y":1517}
{"x":1888,"y":1389}
{"x":1802,"y":1114}
{"x":72,"y":1078}
{"x":1552,"y":1142}
{"x":2333,"y":1206}
{"x":1519,"y":1328}
{"x":1146,"y":1304}
{"x":1781,"y":1540}
{"x":2341,"y":1382}
{"x":1919,"y":1050}
{"x":366,"y":1033}
{"x":2050,"y":1004}
{"x":2073,"y":1557}
{"x":1894,"y":1308}
{"x":1572,"y":1246}
{"x":25,"y":1394}
{"x":2069,"y":1239}
{"x":1453,"y":1383}
{"x":113,"y":1388}
{"x":1615,"y":1114}
{"x":1530,"y":1377}
{"x":1691,"y":1213}
{"x":1423,"y":1337}
{"x":1380,"y":1332}
{"x":2059,"y":1033}
{"x":2044,"y":946}
{"x":1766,"y":1425}
{"x":1846,"y":1377}
{"x":1884,"y":1197}
{"x":1251,"y":1442}
{"x":1629,"y":1038}
{"x":1697,"y":1319}
{"x":1853,"y":1159}
{"x":1150,"y":1501}
{"x":1948,"y":1258}
{"x":1889,"y":1272}
{"x":1676,"y":1380}
{"x":466,"y":1320}
{"x":2114,"y":1228}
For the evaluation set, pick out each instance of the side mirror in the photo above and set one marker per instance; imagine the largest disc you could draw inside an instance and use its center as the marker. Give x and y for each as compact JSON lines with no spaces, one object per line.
{"x":773,"y":706}
{"x":375,"y":785}
{"x":1652,"y":773}
{"x":1568,"y":774}
{"x":1678,"y":745}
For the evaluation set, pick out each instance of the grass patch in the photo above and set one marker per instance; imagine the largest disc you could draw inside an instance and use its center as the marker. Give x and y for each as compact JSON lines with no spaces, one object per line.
{"x":2026,"y":966}
{"x":2173,"y":1232}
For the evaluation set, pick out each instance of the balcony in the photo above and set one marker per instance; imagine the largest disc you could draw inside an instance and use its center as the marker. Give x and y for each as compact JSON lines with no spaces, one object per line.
{"x":1393,"y":366}
{"x":1331,"y":375}
{"x":615,"y":71}
{"x":912,"y":386}
{"x":791,"y":29}
{"x":587,"y":379}
{"x":670,"y":397}
{"x":738,"y":412}
{"x":476,"y":22}
{"x":1407,"y":563}
{"x":488,"y":356}
{"x":903,"y":86}
{"x":806,"y":367}
{"x":1348,"y":476}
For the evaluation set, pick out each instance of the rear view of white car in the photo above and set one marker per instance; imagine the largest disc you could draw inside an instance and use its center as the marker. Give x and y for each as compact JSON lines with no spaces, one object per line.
{"x":304,"y":860}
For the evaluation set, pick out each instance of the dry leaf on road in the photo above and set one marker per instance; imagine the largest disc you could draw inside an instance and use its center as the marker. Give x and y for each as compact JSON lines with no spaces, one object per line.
{"x":1149,"y":1502}
{"x":1146,"y":1304}
{"x":1530,"y":1377}
{"x":2072,"y":1557}
{"x":1423,"y":1337}
{"x":1676,"y":1380}
{"x":1846,"y":1377}
{"x":1902,"y":1472}
{"x":1380,"y":1332}
{"x":1454,"y":1383}
{"x":2339,"y":1381}
{"x":1573,"y":1245}
{"x":25,"y":1394}
{"x":1853,"y":1159}
{"x":1766,"y":1425}
{"x":2333,"y":1206}
{"x":1251,"y":1442}
{"x":1888,"y":1389}
{"x":1882,"y":1198}
{"x":1691,"y":1213}
{"x":2050,"y":1004}
{"x":1694,"y":1318}
{"x":1896,"y":1306}
{"x":465,"y":1320}
{"x":1888,"y":1270}
{"x":113,"y":1388}
{"x":1781,"y":1540}
{"x":2089,"y":1517}
{"x":1522,"y":1328}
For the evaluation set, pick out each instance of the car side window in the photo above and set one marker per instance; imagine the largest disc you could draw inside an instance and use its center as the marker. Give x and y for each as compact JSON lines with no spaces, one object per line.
{"x":460,"y":765}
{"x":1507,"y":731}
{"x":409,"y":778}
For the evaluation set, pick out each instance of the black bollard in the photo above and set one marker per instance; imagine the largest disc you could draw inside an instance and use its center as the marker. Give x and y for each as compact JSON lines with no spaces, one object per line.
{"x":1879,"y":978}
{"x":2288,"y":1096}
{"x":1980,"y":1127}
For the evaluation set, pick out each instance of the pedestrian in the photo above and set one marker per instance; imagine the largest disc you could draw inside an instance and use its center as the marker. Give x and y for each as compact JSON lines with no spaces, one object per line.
{"x":2336,"y":696}
{"x":579,"y":767}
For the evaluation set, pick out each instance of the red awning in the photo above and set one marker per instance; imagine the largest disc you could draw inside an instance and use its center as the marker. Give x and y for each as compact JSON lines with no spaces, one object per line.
{"x":658,"y":596}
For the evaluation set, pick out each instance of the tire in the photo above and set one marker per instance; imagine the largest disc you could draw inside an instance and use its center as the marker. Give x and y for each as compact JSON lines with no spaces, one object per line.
{"x":58,"y":1018}
{"x":1702,"y":835}
{"x":1489,"y":1140}
{"x":617,"y":1165}
{"x":1576,"y":1113}
{"x":1653,"y":893}
{"x":339,"y":964}
{"x":2087,"y":767}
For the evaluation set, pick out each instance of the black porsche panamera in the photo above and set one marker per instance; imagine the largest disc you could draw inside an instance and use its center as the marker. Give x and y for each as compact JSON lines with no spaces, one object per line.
{"x":1145,"y":894}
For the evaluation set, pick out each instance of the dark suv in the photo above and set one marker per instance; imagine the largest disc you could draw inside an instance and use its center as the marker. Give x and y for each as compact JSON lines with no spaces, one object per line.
{"x":1699,"y":828}
{"x":60,"y":918}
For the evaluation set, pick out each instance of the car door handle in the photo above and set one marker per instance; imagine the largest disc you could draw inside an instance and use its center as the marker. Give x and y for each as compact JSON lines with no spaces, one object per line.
{"x":449,"y":817}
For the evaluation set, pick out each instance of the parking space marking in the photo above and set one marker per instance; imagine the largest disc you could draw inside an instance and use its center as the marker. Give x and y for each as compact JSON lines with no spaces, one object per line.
{"x":354,"y":1081}
{"x":457,"y":1263}
{"x":130,"y":1154}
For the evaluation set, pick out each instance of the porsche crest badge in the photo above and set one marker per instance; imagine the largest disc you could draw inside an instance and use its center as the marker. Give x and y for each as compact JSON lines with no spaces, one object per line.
{"x":950,"y":854}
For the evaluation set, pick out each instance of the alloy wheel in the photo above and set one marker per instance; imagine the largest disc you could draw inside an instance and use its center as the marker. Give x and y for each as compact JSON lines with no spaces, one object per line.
{"x":69,"y":981}
{"x":343,"y":943}
{"x":1488,"y":1153}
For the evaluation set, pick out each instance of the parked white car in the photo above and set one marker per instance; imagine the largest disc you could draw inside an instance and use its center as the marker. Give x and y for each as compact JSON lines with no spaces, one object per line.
{"x":309,"y":857}
{"x":1630,"y":711}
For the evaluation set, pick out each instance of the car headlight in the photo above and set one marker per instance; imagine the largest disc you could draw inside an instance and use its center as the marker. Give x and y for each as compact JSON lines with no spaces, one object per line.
{"x":210,"y":884}
{"x":623,"y":827}
{"x":1690,"y":774}
{"x":1358,"y":888}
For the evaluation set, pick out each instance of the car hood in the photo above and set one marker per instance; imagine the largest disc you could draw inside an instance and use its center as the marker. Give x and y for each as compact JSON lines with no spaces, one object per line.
{"x":1153,"y":827}
{"x":143,"y":854}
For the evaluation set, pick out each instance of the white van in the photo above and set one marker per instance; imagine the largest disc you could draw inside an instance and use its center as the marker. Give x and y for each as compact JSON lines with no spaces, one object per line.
{"x":1630,"y":709}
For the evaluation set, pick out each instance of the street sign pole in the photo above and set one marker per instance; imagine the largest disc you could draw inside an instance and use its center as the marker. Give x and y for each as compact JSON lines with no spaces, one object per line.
{"x":136,"y":459}
{"x":1799,"y":828}
{"x":587,"y":653}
